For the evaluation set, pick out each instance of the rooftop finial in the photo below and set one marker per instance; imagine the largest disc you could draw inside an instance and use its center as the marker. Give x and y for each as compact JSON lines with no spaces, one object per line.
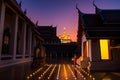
{"x":25,"y":11}
{"x":94,"y":3}
{"x":96,"y":8}
{"x":20,"y":3}
{"x":36,"y":23}
{"x":79,"y":12}
{"x":77,"y":6}
{"x":64,"y":32}
{"x":64,"y":28}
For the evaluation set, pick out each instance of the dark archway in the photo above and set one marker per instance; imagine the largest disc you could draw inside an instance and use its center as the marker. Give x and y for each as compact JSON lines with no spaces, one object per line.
{"x":6,"y":41}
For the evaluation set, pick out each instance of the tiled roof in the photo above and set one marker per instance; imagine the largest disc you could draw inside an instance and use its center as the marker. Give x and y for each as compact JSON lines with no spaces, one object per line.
{"x":110,"y":16}
{"x":103,"y":24}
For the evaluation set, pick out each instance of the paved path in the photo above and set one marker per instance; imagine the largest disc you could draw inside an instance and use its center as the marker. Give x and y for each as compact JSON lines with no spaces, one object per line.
{"x":62,"y":71}
{"x":56,"y":72}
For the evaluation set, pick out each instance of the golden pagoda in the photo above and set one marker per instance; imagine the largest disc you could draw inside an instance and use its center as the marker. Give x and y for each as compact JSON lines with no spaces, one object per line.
{"x":64,"y":37}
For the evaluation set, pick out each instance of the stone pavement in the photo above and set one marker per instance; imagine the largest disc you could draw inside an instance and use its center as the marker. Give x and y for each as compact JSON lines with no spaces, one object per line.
{"x":52,"y":71}
{"x":101,"y":75}
{"x":15,"y":72}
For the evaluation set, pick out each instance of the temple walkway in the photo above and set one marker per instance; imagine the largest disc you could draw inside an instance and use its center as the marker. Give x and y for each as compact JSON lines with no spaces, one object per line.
{"x":60,"y":71}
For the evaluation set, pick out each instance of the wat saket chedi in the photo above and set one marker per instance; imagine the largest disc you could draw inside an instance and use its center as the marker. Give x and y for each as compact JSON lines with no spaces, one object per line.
{"x":64,"y":37}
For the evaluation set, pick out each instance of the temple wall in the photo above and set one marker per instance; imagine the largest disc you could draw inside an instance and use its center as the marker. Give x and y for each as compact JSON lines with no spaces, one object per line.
{"x":16,"y":35}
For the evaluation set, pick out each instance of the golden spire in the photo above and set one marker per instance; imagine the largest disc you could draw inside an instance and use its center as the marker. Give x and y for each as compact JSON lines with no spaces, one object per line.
{"x":64,"y":37}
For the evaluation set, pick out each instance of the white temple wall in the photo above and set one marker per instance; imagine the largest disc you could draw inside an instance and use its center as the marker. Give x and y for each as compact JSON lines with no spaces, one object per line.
{"x":83,"y":40}
{"x":9,"y":18}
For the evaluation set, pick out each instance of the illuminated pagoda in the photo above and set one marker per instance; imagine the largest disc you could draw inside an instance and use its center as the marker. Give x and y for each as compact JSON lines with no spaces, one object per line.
{"x":64,"y":37}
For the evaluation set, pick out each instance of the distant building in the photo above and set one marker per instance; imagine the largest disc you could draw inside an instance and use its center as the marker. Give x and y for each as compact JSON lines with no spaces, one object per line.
{"x":99,"y":37}
{"x":18,"y":36}
{"x":60,"y":51}
{"x":64,"y":37}
{"x":48,"y":33}
{"x":54,"y":48}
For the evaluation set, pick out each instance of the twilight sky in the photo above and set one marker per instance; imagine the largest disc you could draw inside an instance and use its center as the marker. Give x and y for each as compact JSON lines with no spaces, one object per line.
{"x":63,"y":13}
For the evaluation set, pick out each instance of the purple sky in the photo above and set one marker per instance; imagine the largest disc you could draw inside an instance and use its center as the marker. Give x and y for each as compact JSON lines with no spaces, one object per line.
{"x":62,"y":13}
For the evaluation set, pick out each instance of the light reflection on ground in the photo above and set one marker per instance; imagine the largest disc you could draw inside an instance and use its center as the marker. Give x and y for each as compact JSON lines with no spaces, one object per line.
{"x":57,"y":70}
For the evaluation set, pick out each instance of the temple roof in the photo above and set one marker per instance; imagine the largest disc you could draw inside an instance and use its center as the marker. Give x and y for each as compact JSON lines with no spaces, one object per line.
{"x":102,"y":24}
{"x":91,"y":19}
{"x":110,"y":16}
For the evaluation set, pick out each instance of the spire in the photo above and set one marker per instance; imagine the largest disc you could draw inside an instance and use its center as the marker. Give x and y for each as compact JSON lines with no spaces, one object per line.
{"x":64,"y":37}
{"x":64,"y":32}
{"x":64,"y":28}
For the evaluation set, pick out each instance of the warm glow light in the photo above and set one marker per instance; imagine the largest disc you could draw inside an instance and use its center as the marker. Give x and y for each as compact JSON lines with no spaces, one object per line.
{"x":87,"y":47}
{"x":64,"y":37}
{"x":58,"y":72}
{"x":45,"y":72}
{"x":78,"y":72}
{"x":104,"y":49}
{"x":65,"y":73}
{"x":71,"y":72}
{"x":52,"y":72}
{"x":34,"y":73}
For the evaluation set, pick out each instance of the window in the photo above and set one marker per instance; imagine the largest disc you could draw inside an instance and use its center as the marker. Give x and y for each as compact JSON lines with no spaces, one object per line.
{"x":85,"y":49}
{"x":104,"y":49}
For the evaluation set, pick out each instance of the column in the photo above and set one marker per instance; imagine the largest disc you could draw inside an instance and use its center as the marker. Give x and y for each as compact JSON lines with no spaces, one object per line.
{"x":2,"y":17}
{"x":15,"y":37}
{"x":89,"y":49}
{"x":30,"y":42}
{"x":95,"y":51}
{"x":82,"y":45}
{"x":34,"y":42}
{"x":24,"y":40}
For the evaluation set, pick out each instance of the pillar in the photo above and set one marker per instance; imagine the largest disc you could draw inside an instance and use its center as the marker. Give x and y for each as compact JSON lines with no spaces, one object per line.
{"x":89,"y":50}
{"x":2,"y":17}
{"x":34,"y":42}
{"x":24,"y":40}
{"x":82,"y":46}
{"x":15,"y":37}
{"x":95,"y":50}
{"x":32,"y":45}
{"x":30,"y":42}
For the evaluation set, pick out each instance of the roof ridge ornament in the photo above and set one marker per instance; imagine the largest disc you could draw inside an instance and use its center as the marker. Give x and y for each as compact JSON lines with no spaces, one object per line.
{"x":79,"y":12}
{"x":20,"y":3}
{"x":36,"y":23}
{"x":94,"y":3}
{"x":77,"y":7}
{"x":25,"y":11}
{"x":97,"y":10}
